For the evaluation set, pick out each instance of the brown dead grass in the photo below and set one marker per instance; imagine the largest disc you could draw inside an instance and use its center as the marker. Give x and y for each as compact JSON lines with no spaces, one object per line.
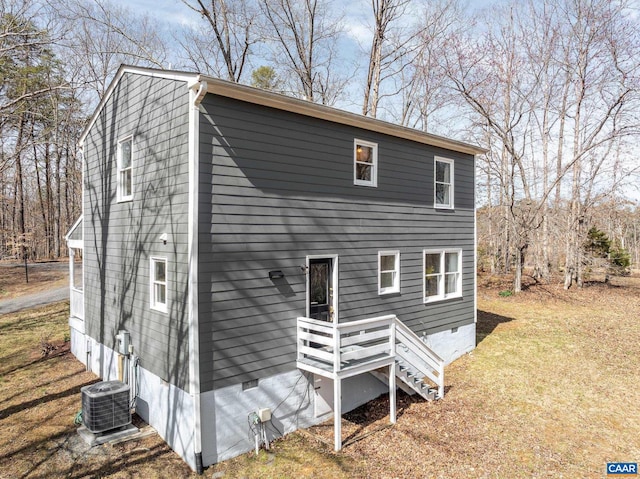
{"x":39,"y":397}
{"x":13,"y":279}
{"x":550,"y":391}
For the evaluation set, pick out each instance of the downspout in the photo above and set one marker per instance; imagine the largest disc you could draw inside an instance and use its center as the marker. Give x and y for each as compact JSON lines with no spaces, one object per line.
{"x":197,"y":91}
{"x":475,"y":246}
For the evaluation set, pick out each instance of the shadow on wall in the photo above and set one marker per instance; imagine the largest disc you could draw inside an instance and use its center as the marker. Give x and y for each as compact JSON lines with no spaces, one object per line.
{"x":487,"y":323}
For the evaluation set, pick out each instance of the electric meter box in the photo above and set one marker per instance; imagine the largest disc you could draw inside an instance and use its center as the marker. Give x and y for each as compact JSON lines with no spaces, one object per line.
{"x":122,"y":342}
{"x":264,"y":414}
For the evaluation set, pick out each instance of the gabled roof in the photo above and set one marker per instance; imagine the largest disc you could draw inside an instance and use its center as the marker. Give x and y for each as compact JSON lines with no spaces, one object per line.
{"x":75,"y":236}
{"x":282,"y":102}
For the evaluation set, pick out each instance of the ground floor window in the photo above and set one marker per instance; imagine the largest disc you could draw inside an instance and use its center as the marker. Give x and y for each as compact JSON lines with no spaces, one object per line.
{"x":442,"y":274}
{"x":159,"y":284}
{"x":388,"y":272}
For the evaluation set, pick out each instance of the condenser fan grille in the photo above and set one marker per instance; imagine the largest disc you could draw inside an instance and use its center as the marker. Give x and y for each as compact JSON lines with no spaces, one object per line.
{"x":105,"y":406}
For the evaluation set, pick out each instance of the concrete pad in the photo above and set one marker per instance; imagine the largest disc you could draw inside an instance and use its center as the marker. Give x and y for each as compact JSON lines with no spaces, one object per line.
{"x":101,"y":438}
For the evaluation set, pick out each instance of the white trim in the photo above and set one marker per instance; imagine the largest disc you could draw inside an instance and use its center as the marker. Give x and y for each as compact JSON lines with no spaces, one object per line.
{"x":75,"y":244}
{"x":72,"y":270}
{"x":451,"y":204}
{"x":334,"y":279}
{"x":441,"y":275}
{"x":168,"y":74}
{"x":373,"y":182}
{"x":153,"y":304}
{"x":120,"y":198}
{"x":196,"y":94}
{"x":78,"y":325}
{"x":74,"y":226}
{"x":396,"y":284}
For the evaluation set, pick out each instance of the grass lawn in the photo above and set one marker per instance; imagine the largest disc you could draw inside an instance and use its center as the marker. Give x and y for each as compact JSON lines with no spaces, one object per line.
{"x":47,"y":275}
{"x":550,"y":391}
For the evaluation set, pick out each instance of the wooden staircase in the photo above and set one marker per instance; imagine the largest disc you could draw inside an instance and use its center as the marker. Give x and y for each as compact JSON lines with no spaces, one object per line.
{"x":383,"y":346}
{"x":419,"y":369}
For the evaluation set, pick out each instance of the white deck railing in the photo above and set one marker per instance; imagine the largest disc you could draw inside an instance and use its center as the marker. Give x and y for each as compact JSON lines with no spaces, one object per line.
{"x":346,"y":348}
{"x":76,"y":303}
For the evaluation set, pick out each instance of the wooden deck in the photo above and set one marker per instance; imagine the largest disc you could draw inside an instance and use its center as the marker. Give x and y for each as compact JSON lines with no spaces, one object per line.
{"x":346,"y":349}
{"x":342,"y":350}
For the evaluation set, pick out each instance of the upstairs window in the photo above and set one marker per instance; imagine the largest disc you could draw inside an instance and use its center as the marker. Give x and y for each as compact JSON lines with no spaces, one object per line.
{"x":125,"y":169}
{"x":442,"y":274}
{"x":388,"y":272}
{"x":158,"y":276}
{"x":365,"y":168}
{"x":443,"y":183}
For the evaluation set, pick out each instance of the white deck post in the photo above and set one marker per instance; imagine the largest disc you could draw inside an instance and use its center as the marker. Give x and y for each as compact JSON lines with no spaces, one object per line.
{"x":337,"y":413}
{"x":392,"y":393}
{"x":392,"y":372}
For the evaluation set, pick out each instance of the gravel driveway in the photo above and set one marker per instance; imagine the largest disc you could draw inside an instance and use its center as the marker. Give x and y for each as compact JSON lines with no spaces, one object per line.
{"x":34,"y":300}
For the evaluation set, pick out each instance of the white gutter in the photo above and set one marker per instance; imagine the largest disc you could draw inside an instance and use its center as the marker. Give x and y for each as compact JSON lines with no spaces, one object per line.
{"x":197,"y":90}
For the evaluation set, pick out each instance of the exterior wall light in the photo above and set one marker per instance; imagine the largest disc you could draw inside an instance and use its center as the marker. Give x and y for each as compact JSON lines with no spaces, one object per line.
{"x":276,"y":274}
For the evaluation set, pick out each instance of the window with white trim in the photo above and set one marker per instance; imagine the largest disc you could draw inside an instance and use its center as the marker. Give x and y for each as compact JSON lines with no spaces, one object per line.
{"x":443,"y":183}
{"x":125,"y":169}
{"x":365,"y":163}
{"x":442,"y":274}
{"x":158,"y":286}
{"x":388,"y":272}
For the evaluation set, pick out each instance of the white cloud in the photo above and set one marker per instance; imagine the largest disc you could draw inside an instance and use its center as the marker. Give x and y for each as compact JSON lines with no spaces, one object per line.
{"x":360,"y":33}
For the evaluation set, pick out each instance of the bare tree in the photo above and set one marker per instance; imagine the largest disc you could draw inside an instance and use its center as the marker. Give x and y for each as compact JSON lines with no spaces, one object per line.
{"x":381,"y":53}
{"x":104,"y":36}
{"x":553,"y":83}
{"x":226,"y":52}
{"x":603,"y":75}
{"x":304,"y":39}
{"x":424,"y":87}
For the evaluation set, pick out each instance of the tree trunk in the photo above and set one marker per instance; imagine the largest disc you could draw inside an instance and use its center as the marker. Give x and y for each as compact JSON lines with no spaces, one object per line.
{"x":521,"y":252}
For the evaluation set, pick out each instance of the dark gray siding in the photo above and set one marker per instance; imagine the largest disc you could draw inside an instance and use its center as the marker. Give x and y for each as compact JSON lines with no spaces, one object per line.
{"x":120,"y":238}
{"x":276,"y":187}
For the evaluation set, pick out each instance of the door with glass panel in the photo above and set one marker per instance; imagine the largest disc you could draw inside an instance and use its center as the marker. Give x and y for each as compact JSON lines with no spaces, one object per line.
{"x":321,"y":289}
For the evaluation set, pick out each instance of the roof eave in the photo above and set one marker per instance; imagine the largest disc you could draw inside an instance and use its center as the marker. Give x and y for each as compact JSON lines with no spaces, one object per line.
{"x":281,"y":102}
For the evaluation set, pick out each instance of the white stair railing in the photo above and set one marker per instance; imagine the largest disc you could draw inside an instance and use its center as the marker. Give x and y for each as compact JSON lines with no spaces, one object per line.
{"x":412,"y":350}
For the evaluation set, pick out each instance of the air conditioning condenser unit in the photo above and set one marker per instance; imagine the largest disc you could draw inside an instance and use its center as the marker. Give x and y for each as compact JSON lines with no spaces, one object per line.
{"x":105,"y":406}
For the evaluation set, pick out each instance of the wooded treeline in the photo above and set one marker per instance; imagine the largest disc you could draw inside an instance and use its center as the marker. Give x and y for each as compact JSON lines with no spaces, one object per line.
{"x":550,"y":88}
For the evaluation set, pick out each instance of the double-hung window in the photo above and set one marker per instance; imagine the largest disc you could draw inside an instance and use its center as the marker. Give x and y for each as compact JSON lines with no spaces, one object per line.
{"x":365,"y":163}
{"x":388,"y":272}
{"x":125,"y":169}
{"x":442,"y":274}
{"x":158,"y":286}
{"x":443,"y":187}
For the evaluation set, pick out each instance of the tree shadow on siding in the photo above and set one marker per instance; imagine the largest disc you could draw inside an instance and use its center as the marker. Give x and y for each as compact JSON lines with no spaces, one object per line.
{"x":125,"y":235}
{"x":487,"y":323}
